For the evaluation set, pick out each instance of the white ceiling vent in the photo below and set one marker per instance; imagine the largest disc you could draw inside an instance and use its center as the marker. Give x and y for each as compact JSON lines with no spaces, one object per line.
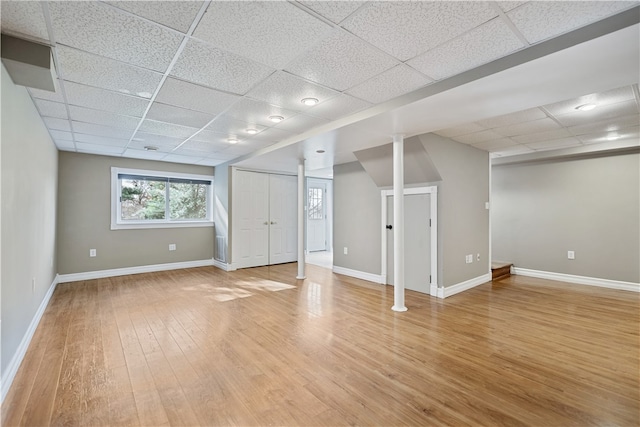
{"x":29,"y":64}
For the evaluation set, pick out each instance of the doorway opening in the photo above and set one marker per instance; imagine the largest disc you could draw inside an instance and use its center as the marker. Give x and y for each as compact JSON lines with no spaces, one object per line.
{"x":319,"y":222}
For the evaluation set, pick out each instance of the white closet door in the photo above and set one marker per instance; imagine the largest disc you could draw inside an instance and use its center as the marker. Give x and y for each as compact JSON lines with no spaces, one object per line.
{"x":283,"y":231}
{"x":253,"y":215}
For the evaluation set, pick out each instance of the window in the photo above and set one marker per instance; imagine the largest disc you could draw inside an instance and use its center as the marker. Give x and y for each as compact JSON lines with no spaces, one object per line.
{"x":315,"y":203}
{"x":149,"y":199}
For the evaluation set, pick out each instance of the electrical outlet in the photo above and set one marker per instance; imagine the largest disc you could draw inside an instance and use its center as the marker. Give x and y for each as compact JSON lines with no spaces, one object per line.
{"x":468,"y":259}
{"x":346,"y":251}
{"x":92,"y":253}
{"x":486,"y":205}
{"x":172,"y":247}
{"x":571,"y":255}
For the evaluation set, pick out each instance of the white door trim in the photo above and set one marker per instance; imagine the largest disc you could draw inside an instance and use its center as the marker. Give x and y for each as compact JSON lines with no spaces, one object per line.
{"x":433,"y":206}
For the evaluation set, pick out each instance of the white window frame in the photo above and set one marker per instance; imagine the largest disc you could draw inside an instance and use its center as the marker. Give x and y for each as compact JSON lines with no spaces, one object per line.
{"x":116,"y":191}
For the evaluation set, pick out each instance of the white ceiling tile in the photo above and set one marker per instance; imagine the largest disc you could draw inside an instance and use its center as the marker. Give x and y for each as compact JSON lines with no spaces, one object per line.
{"x":511,"y":151}
{"x":174,"y":14}
{"x":100,"y":99}
{"x":99,"y":130}
{"x":272,"y":33}
{"x":49,"y":96}
{"x":602,"y":112}
{"x":60,"y":135}
{"x":272,"y":135}
{"x":143,"y":154}
{"x":534,"y":126}
{"x":109,"y":150}
{"x":335,"y":11}
{"x":553,"y":144}
{"x":479,"y":46}
{"x":226,"y":126}
{"x":542,"y":136}
{"x":203,"y":146}
{"x":287,"y":91}
{"x":338,"y":107}
{"x":243,"y":148}
{"x":93,"y":70}
{"x":407,"y":29}
{"x":617,"y":123}
{"x":222,"y":156}
{"x":509,"y":5}
{"x":166,"y":129}
{"x":194,"y":97}
{"x":51,"y":109}
{"x":301,"y":123}
{"x":613,"y":96}
{"x":113,"y":34}
{"x":460,"y":130}
{"x":540,"y":20}
{"x":397,"y":81}
{"x":24,"y":17}
{"x":98,"y":117}
{"x":341,"y":61}
{"x":257,"y":112}
{"x":513,"y":118}
{"x":630,"y":133}
{"x":180,"y":116}
{"x":65,"y":145}
{"x":207,"y":65}
{"x":176,"y":158}
{"x":57,"y":124}
{"x":101,"y":140}
{"x":165,"y":143}
{"x":477,"y":137}
{"x":495,"y":144}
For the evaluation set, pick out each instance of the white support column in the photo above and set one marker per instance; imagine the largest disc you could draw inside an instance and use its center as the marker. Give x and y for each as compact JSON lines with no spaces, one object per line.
{"x":398,"y":223}
{"x":301,"y":258}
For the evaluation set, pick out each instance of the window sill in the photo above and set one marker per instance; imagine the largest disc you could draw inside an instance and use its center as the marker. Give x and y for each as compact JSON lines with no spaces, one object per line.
{"x":137,"y":226}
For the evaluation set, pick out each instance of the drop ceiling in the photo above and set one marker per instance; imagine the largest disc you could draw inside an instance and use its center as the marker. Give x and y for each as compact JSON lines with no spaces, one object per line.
{"x":184,"y":77}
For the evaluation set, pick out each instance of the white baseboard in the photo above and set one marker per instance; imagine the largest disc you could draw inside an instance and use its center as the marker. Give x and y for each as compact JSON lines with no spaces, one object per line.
{"x":100,"y":274}
{"x":16,"y":360}
{"x":463,"y":286}
{"x":580,"y":280}
{"x":375,"y":278}
{"x":223,"y":266}
{"x":433,"y":289}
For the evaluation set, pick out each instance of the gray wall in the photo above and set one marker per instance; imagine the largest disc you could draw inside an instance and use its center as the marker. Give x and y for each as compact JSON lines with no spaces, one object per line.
{"x":84,"y":220}
{"x":463,"y":221}
{"x":356,"y":219}
{"x":29,"y":164}
{"x":590,"y":205}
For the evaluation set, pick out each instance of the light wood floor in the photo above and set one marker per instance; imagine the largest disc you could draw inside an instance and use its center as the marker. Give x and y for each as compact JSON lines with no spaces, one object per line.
{"x":256,"y":347}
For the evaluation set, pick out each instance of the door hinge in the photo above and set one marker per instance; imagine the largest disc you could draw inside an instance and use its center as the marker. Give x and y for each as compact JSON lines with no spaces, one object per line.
{"x":429,"y":279}
{"x":429,"y":222}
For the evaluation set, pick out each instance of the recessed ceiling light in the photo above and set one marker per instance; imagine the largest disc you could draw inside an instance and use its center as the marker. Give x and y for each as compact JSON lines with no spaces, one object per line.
{"x":319,"y":151}
{"x":252,"y":131}
{"x":276,"y":119}
{"x":145,"y":94}
{"x":150,"y":148}
{"x":586,"y":107}
{"x":310,"y":101}
{"x":613,"y":137}
{"x":232,"y":141}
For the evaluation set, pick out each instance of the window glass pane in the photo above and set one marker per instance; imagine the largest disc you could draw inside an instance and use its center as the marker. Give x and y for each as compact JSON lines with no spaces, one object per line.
{"x":142,"y":199}
{"x":315,"y":203}
{"x":188,"y":201}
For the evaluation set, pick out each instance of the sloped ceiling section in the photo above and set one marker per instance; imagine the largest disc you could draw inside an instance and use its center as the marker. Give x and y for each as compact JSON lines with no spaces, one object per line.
{"x":418,"y":166}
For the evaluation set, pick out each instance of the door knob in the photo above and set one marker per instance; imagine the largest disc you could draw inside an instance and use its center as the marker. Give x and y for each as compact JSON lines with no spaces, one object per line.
{"x":266,"y":223}
{"x":389,"y":227}
{"x":273,"y":222}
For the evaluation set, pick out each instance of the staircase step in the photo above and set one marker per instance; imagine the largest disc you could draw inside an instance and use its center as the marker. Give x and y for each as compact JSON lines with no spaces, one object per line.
{"x":500,"y":270}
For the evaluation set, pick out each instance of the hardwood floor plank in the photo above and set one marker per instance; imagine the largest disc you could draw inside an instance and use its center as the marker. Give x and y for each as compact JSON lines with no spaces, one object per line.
{"x":258,"y":347}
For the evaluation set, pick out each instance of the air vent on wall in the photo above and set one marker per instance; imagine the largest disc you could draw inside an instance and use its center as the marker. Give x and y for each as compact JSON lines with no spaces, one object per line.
{"x":29,"y":64}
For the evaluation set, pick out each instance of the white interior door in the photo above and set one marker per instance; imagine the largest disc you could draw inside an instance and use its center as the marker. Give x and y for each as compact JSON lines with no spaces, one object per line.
{"x":316,"y":216}
{"x":283,"y":230}
{"x":253,"y":216}
{"x":417,"y":242}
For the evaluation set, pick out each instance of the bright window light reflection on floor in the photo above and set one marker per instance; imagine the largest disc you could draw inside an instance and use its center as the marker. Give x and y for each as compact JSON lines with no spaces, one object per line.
{"x":243,"y":289}
{"x":314,"y":299}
